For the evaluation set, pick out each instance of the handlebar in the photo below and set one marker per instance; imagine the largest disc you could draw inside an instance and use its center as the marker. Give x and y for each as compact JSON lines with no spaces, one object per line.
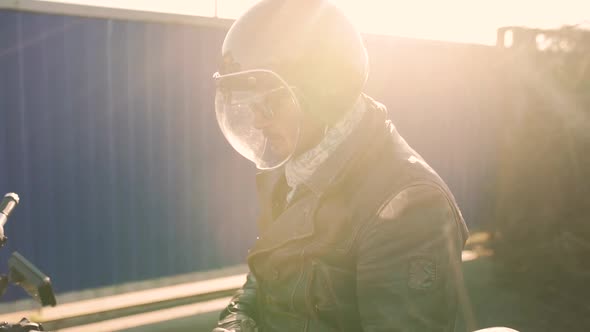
{"x":9,"y":202}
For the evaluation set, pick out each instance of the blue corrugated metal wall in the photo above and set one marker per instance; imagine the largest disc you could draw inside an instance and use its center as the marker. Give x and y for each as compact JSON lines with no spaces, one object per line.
{"x":109,"y":136}
{"x":107,"y":132}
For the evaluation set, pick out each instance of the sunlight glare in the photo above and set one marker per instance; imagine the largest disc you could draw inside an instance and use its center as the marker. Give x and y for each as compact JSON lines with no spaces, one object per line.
{"x":469,"y":21}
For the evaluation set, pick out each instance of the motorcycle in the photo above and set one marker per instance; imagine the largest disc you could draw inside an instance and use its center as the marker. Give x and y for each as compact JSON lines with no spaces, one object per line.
{"x":22,"y":273}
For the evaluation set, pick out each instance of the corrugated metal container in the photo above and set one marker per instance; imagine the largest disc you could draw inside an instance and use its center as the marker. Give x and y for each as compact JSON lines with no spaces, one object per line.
{"x":107,"y":132}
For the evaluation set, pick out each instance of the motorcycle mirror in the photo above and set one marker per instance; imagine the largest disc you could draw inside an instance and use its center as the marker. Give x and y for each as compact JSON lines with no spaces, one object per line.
{"x":31,"y":279}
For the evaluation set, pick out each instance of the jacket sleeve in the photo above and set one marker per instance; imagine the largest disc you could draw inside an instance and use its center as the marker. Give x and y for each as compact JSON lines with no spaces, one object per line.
{"x":408,"y":263}
{"x":240,"y":315}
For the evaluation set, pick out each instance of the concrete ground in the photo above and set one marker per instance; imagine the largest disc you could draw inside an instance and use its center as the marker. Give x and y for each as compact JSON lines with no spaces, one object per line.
{"x":202,"y":322}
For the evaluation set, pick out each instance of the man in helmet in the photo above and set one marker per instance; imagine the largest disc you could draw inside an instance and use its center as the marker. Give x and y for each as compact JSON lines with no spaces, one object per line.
{"x":357,"y":232}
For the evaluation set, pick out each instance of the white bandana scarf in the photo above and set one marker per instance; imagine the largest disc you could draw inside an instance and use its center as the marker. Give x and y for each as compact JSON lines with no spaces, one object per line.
{"x":300,"y":169}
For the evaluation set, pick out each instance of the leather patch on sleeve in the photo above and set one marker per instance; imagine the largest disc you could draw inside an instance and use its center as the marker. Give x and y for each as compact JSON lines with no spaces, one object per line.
{"x":421,"y":273}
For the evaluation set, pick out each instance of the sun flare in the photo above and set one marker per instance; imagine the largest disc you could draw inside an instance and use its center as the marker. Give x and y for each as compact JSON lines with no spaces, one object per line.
{"x":470,"y":21}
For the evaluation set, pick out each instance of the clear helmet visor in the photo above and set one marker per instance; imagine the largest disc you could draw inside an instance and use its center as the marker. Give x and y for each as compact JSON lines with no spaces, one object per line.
{"x":259,"y":115}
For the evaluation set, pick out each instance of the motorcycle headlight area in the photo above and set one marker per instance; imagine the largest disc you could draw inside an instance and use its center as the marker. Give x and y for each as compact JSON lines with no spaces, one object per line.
{"x":259,"y":115}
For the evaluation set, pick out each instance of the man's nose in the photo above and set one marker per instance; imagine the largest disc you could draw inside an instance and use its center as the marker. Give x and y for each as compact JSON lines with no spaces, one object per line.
{"x":261,"y":121}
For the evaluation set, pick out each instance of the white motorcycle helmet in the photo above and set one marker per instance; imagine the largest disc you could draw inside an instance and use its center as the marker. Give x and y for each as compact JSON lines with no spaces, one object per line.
{"x":280,"y":58}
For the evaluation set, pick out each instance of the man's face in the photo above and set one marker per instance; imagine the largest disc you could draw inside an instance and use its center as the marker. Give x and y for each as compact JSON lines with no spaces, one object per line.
{"x":280,"y":119}
{"x":260,"y":117}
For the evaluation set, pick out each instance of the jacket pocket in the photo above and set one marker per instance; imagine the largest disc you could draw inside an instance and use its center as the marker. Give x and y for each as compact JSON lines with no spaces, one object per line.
{"x":331,"y":295}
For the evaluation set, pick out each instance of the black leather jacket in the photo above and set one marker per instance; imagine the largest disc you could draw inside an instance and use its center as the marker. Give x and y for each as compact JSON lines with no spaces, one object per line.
{"x":372,"y":244}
